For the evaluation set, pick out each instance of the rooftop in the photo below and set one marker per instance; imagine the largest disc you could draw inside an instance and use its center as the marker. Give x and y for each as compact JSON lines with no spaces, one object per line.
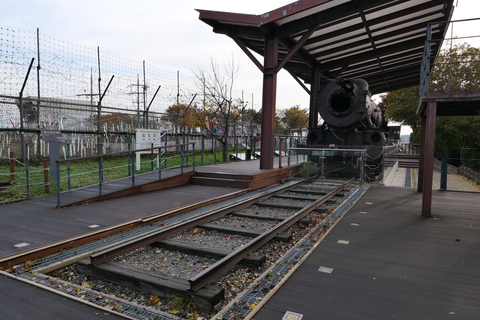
{"x":379,"y":41}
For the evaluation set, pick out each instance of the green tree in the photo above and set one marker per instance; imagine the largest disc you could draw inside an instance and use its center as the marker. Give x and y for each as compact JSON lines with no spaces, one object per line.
{"x":184,"y":117}
{"x":293,"y":118}
{"x":401,"y":106}
{"x":456,"y":69}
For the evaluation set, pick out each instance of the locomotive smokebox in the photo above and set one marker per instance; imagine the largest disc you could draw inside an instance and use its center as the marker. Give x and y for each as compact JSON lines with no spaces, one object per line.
{"x":345,"y":102}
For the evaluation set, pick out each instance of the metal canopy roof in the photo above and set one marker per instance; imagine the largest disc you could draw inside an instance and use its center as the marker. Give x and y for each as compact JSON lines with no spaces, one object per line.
{"x":380,"y":41}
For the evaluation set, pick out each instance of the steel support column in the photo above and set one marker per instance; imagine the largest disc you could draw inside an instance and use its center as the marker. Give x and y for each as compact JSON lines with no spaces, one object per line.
{"x":313,"y":116}
{"x":428,"y":159}
{"x":421,"y":159}
{"x":268,"y":102}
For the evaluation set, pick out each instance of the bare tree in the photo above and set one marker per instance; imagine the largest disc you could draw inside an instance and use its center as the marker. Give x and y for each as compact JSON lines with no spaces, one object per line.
{"x":218,"y":98}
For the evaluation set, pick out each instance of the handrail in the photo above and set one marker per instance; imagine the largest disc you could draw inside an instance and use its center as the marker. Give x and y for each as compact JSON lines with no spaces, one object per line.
{"x":101,"y":155}
{"x":362,"y":165}
{"x":121,"y":152}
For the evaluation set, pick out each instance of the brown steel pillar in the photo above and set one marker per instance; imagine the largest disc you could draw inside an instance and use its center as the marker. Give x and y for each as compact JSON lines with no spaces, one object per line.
{"x":421,"y":154}
{"x":268,"y":102}
{"x":428,"y":160}
{"x":313,"y":116}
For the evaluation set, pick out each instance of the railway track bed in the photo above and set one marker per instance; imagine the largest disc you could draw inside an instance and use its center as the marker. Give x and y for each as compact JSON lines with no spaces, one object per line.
{"x":197,"y":271}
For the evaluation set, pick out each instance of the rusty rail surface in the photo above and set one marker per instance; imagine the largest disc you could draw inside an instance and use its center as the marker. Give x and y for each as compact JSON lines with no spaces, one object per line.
{"x":142,"y":241}
{"x":207,"y":275}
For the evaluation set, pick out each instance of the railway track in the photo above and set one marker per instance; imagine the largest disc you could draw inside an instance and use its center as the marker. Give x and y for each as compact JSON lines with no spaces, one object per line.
{"x":245,"y":227}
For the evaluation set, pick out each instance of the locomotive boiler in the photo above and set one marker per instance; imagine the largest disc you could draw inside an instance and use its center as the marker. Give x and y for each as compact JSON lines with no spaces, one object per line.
{"x":351,"y":120}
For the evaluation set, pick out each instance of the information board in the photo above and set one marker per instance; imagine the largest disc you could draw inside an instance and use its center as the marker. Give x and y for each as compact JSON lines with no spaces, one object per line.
{"x":145,"y":138}
{"x":53,"y":136}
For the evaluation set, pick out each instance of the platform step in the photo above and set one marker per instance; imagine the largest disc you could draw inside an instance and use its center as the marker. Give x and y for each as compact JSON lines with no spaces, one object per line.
{"x":220,"y":182}
{"x":403,"y":163}
{"x":222,"y":175}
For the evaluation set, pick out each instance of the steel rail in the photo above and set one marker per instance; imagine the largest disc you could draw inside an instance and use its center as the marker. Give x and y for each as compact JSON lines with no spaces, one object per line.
{"x":207,"y":275}
{"x":142,"y":241}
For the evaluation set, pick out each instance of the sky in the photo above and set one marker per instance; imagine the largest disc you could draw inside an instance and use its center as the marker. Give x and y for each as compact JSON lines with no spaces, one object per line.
{"x":167,"y":34}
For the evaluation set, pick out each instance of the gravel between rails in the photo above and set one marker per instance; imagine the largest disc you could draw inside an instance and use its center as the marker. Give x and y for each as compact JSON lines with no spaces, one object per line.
{"x":241,"y":222}
{"x":279,"y":212}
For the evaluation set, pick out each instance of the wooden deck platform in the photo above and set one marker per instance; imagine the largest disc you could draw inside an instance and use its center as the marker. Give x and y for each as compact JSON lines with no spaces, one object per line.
{"x":37,"y":222}
{"x":38,"y":226}
{"x":21,"y":301}
{"x":397,"y":264}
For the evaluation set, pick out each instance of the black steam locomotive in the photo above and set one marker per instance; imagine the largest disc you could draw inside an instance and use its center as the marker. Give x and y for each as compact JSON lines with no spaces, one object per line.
{"x":351,"y":120}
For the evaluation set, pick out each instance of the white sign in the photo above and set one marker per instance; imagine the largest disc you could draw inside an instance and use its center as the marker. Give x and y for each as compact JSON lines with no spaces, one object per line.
{"x":144,"y":140}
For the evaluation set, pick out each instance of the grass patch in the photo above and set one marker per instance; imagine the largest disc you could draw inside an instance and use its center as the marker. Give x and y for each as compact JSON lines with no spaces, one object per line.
{"x":85,"y":173}
{"x":309,"y":169}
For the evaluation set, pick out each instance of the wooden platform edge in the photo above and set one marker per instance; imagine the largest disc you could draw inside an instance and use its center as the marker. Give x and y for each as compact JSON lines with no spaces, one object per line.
{"x":253,"y":182}
{"x":21,"y":257}
{"x":60,"y":293}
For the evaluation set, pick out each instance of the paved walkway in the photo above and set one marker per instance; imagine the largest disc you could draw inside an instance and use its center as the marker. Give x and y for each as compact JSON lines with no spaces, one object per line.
{"x":455,"y":182}
{"x":384,"y":261}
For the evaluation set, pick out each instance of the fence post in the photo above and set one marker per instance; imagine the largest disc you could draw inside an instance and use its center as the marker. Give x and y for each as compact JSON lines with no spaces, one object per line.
{"x":68,"y":165}
{"x":46,"y":177}
{"x":203,"y":147}
{"x":160,"y":163}
{"x":226,"y":147}
{"x":444,"y":170}
{"x":27,"y":175}
{"x":236,"y":147}
{"x":166,"y":149}
{"x":58,"y":184}
{"x":280,"y":154}
{"x":182,"y":148}
{"x":289,"y":153}
{"x":133,"y":168}
{"x":129,"y":155}
{"x":214,"y":149}
{"x":100,"y":170}
{"x":151,"y":158}
{"x":12,"y":165}
{"x":186,"y":148}
{"x":193,"y":156}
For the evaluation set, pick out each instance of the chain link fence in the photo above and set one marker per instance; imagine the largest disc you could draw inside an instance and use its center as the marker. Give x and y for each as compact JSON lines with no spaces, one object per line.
{"x":90,"y":95}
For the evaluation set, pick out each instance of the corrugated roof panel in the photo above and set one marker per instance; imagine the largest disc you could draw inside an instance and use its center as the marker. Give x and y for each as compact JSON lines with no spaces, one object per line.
{"x":351,"y":36}
{"x":391,"y":43}
{"x":344,"y":54}
{"x":380,"y":11}
{"x":416,"y":34}
{"x":412,"y":17}
{"x":314,"y":10}
{"x":334,"y":45}
{"x":337,"y":39}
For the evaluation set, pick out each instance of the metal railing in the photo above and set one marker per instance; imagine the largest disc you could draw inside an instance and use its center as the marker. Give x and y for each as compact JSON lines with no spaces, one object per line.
{"x":14,"y":170}
{"x":452,"y":66}
{"x":354,"y":160}
{"x":131,"y":164}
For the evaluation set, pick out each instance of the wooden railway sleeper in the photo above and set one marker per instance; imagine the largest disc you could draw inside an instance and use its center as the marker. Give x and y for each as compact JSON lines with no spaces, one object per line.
{"x":207,"y":275}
